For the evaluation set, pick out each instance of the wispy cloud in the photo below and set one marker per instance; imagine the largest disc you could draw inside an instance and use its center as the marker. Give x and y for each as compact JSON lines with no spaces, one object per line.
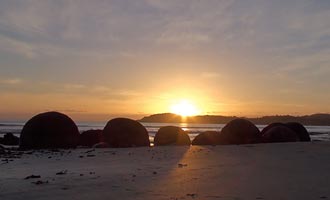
{"x":17,"y":47}
{"x":116,"y":49}
{"x":74,"y":86}
{"x":210,"y":75}
{"x":12,"y":81}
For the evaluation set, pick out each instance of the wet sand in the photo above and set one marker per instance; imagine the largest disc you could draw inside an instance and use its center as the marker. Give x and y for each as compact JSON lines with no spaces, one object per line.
{"x":263,"y":171}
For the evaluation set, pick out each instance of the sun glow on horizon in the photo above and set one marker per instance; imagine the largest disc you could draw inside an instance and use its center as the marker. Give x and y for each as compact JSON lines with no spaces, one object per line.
{"x":184,"y":108}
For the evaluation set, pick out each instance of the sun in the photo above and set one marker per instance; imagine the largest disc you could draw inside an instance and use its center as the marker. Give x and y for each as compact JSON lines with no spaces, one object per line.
{"x":184,"y":108}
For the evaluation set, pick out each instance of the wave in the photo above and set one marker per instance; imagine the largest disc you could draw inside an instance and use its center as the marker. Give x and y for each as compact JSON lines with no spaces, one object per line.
{"x":11,"y":125}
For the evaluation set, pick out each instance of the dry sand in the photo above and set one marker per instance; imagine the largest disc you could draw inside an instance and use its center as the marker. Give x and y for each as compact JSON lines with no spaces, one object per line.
{"x":263,"y":171}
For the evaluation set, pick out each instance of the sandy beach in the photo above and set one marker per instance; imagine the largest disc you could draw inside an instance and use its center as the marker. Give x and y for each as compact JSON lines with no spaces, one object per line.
{"x":261,"y":171}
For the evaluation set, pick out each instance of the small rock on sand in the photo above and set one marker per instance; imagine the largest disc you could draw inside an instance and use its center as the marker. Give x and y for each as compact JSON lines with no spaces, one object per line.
{"x":32,"y":176}
{"x":40,"y":182}
{"x":62,"y":172}
{"x":192,"y":195}
{"x":180,"y":165}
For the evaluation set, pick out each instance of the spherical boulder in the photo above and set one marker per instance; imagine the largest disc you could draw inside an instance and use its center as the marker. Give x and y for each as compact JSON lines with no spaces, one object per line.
{"x":123,"y":132}
{"x":171,"y":135}
{"x":240,"y":131}
{"x":207,"y":138}
{"x":90,"y":137}
{"x":10,"y":139}
{"x":280,"y":134}
{"x":300,"y":130}
{"x":264,"y":130}
{"x":49,"y":130}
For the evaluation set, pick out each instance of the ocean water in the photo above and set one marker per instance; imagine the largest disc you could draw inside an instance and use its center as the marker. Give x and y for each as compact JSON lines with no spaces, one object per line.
{"x":321,"y":133}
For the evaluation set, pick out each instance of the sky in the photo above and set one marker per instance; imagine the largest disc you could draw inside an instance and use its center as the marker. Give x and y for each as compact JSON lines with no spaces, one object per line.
{"x":97,"y":59}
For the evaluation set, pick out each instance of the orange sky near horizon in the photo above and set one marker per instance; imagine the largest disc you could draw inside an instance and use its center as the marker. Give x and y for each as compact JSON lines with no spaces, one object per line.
{"x":86,"y":108}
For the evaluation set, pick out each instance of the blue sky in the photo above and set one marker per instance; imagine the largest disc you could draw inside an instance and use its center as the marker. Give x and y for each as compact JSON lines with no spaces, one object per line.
{"x":125,"y":57}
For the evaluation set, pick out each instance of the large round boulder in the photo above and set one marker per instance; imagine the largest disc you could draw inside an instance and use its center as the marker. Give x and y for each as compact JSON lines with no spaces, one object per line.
{"x":123,"y":132}
{"x":10,"y":139}
{"x":90,"y":137}
{"x":300,"y":130}
{"x":240,"y":131}
{"x":207,"y":138}
{"x":49,"y":130}
{"x":268,"y":127}
{"x":171,"y":135}
{"x":280,"y":134}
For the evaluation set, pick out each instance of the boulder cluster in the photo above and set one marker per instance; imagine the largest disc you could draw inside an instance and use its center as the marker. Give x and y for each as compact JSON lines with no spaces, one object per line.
{"x":242,"y":131}
{"x":57,"y":130}
{"x":289,"y":132}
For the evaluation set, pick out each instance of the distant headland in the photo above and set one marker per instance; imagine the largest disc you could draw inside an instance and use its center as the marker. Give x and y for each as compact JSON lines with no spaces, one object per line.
{"x":313,"y":120}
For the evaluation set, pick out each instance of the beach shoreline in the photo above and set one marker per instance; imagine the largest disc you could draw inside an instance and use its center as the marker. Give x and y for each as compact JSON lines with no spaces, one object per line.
{"x":317,"y":133}
{"x":255,"y":171}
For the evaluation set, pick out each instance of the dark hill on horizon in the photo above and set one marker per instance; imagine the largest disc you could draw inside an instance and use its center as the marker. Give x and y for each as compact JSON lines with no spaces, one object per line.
{"x":314,"y":119}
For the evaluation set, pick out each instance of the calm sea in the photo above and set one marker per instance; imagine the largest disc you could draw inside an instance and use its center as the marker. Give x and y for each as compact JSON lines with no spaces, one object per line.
{"x":317,"y":132}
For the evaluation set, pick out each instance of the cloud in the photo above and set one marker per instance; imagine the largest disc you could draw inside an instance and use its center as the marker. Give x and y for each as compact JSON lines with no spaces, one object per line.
{"x":185,"y":40}
{"x":115,"y":49}
{"x":67,"y":110}
{"x":17,"y":47}
{"x":210,"y":75}
{"x":98,"y":91}
{"x":74,"y":86}
{"x":58,"y":28}
{"x":12,"y":81}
